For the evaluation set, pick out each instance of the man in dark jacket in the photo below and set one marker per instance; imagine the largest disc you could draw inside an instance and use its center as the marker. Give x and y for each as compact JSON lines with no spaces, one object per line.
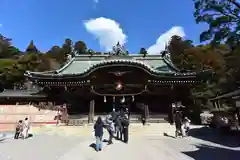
{"x":125,"y":124}
{"x":113,"y":115}
{"x":119,"y":127}
{"x":178,"y":123}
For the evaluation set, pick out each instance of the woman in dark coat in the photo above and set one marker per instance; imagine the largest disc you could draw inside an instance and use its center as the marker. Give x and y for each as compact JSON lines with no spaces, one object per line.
{"x":98,"y":129}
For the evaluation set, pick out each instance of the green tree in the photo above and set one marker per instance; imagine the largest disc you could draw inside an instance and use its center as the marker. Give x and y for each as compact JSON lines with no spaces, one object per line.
{"x":80,"y":47}
{"x":222,"y":17}
{"x":31,"y":48}
{"x":197,"y":58}
{"x":6,"y":48}
{"x":143,"y":52}
{"x":176,"y":48}
{"x":57,"y":53}
{"x":91,"y":52}
{"x":233,"y":69}
{"x":4,"y":43}
{"x":67,"y":47}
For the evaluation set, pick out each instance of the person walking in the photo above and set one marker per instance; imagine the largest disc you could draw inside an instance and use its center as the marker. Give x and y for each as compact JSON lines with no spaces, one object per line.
{"x":119,"y":127}
{"x":19,"y":127}
{"x":98,"y":129}
{"x":25,"y":128}
{"x":186,"y":125}
{"x":110,"y":129}
{"x":58,"y":116}
{"x":125,"y":124}
{"x":178,"y":123}
{"x":113,"y":114}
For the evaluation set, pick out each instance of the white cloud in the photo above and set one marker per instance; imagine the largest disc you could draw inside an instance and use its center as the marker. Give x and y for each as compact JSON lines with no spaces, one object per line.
{"x":163,"y":40}
{"x":96,"y":1}
{"x":1,"y":25}
{"x":107,"y":31}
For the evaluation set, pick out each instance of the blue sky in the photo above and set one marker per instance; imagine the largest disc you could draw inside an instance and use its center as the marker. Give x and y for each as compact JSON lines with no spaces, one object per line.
{"x":141,"y":22}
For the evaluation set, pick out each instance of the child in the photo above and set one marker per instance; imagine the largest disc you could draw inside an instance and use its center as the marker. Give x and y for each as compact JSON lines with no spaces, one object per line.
{"x":186,"y":124}
{"x":19,"y":128}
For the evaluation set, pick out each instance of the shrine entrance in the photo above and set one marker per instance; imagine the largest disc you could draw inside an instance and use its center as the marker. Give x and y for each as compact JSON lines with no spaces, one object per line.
{"x":106,"y":104}
{"x":157,"y":104}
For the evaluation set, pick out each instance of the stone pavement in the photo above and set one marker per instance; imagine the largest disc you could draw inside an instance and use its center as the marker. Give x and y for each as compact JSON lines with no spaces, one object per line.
{"x":74,"y":148}
{"x":139,"y":149}
{"x":145,"y":142}
{"x":86,"y":131}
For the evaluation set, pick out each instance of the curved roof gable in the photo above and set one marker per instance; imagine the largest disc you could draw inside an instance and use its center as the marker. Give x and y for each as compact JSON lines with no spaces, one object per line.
{"x":81,"y":64}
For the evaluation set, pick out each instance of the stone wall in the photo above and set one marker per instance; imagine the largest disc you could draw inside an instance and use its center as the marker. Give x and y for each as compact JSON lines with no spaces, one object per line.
{"x":10,"y":114}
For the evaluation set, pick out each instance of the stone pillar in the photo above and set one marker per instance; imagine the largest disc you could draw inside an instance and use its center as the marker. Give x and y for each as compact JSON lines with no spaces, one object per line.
{"x":91,"y":111}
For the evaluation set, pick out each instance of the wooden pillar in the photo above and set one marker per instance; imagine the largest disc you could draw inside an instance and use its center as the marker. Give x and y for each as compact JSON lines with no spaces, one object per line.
{"x":91,"y":111}
{"x":171,"y":113}
{"x":146,"y":112}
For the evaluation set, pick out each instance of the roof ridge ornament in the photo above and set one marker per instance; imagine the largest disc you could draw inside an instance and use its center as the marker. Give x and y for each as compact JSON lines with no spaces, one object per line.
{"x":118,"y":50}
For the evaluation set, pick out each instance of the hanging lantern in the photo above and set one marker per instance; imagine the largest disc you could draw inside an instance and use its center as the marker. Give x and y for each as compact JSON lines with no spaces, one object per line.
{"x":123,"y":99}
{"x":113,"y":98}
{"x":133,"y":98}
{"x":105,"y":99}
{"x":119,"y":86}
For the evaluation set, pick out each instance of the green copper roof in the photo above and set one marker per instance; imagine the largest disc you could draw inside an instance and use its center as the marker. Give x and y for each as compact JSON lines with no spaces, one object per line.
{"x":80,"y":64}
{"x":83,"y":65}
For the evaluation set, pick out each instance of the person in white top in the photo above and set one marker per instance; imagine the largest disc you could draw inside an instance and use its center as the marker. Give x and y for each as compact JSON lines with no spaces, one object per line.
{"x":110,"y":128}
{"x":58,"y":116}
{"x":25,"y":128}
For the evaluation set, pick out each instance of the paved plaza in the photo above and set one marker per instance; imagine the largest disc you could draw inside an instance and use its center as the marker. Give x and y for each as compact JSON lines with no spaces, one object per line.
{"x":153,"y":142}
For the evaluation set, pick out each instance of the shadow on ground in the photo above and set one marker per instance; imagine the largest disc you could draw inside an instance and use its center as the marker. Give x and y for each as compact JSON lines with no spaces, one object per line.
{"x":215,"y":136}
{"x":206,"y":152}
{"x":93,"y":145}
{"x":167,"y":135}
